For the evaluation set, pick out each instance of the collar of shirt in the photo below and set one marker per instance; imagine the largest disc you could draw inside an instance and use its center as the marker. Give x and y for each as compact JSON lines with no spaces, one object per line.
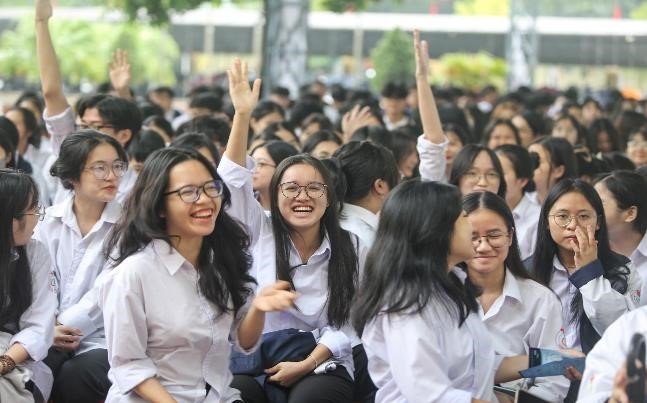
{"x":65,"y":212}
{"x":520,"y":210}
{"x":558,"y":265}
{"x":323,"y":252}
{"x":510,"y":289}
{"x":352,"y":210}
{"x":641,"y":249}
{"x":171,"y":258}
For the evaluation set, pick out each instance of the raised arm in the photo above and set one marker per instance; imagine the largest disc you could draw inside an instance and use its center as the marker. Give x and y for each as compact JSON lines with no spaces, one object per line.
{"x":428,"y":111}
{"x":244,"y":100}
{"x":49,"y":70}
{"x":120,"y":74}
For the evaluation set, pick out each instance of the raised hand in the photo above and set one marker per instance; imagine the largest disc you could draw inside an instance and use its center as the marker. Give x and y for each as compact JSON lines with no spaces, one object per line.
{"x":242,"y":96}
{"x":586,"y":247}
{"x":120,"y":72}
{"x":276,"y":297}
{"x":355,"y":119}
{"x":421,"y":49}
{"x":43,"y":10}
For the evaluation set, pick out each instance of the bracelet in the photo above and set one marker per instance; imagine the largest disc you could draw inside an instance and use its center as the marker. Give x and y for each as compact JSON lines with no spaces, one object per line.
{"x":7,"y":363}
{"x":315,"y":360}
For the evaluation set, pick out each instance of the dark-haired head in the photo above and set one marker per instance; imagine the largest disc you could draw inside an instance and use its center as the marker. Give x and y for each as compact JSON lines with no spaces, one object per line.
{"x":623,"y":204}
{"x":75,"y":154}
{"x":264,"y":113}
{"x":18,"y":204}
{"x":322,"y":144}
{"x":303,"y":182}
{"x":27,"y":125}
{"x":408,"y":266}
{"x":115,"y":116}
{"x":568,"y":127}
{"x":556,"y":162}
{"x":603,"y":137}
{"x":161,"y":126}
{"x":530,"y":125}
{"x":7,"y":151}
{"x":143,"y":146}
{"x":499,"y":132}
{"x":198,"y":142}
{"x":223,"y":261}
{"x":278,"y":131}
{"x":376,"y":134}
{"x":314,"y":123}
{"x":518,"y":168}
{"x":476,"y":168}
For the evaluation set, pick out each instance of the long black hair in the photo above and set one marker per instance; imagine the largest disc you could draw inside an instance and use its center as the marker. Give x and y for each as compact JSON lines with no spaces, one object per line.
{"x":626,"y":186}
{"x":524,"y":165}
{"x":224,"y":260}
{"x":343,"y":263}
{"x":465,"y":159}
{"x":19,"y":194}
{"x":494,"y":203}
{"x":407,"y":267}
{"x":613,"y":263}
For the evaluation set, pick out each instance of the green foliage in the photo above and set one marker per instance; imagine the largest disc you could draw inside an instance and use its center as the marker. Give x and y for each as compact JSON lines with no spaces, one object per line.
{"x":393,"y":58}
{"x":471,"y":70}
{"x":84,"y":49}
{"x":157,"y":11}
{"x":482,"y":7}
{"x":640,"y":12}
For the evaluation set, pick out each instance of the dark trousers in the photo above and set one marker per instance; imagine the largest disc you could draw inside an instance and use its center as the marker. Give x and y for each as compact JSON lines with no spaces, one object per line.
{"x":81,"y":378}
{"x":364,"y":388}
{"x":332,"y":387}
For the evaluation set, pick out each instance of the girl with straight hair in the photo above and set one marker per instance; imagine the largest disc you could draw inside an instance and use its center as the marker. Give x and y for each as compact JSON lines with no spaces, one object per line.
{"x":556,"y":161}
{"x":27,"y":286}
{"x":476,"y":168}
{"x":180,"y":291}
{"x":303,"y":244}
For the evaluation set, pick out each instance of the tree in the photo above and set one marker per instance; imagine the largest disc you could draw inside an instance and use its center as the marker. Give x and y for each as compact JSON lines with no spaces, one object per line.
{"x":393,"y":58}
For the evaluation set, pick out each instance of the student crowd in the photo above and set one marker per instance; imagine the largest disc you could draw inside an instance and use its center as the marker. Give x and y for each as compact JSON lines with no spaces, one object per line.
{"x":319,"y":249}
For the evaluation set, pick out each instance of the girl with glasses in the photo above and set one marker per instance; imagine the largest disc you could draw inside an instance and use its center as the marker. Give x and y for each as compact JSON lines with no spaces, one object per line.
{"x":180,"y":291}
{"x":574,"y":258}
{"x":27,"y":287}
{"x":90,"y":165}
{"x":519,"y":312}
{"x":303,"y":244}
{"x":267,"y":156}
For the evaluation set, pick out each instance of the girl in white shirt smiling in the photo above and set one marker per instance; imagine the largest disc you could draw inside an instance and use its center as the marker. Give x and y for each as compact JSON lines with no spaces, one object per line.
{"x":301,"y":243}
{"x":90,"y":164}
{"x":180,"y":291}
{"x":519,"y":312}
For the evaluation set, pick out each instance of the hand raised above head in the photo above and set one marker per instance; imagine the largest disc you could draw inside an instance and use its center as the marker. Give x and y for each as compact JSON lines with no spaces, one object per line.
{"x":242,"y":96}
{"x":43,"y":10}
{"x":421,"y":49}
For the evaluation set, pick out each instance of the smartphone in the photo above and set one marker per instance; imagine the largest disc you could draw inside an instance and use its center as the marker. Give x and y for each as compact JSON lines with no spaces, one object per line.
{"x":636,"y":369}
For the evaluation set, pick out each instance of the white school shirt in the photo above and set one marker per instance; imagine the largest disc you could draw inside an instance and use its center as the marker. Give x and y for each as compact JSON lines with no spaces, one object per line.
{"x":426,"y":357}
{"x":35,"y":331}
{"x":360,"y":222}
{"x":602,"y":304}
{"x":158,"y":324}
{"x":432,"y":159}
{"x":78,"y":261}
{"x":526,"y":218}
{"x":59,"y":127}
{"x":38,"y":158}
{"x":310,"y":279}
{"x":609,"y":355}
{"x":525,"y":315}
{"x":639,"y":263}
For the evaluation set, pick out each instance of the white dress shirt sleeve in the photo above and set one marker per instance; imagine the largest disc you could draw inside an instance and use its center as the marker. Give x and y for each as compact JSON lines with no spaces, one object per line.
{"x":414,"y":354}
{"x":37,"y":322}
{"x":59,"y":126}
{"x":336,"y":340}
{"x":432,"y":159}
{"x":602,"y":304}
{"x":235,"y":326}
{"x":244,"y":207}
{"x":121,"y":297}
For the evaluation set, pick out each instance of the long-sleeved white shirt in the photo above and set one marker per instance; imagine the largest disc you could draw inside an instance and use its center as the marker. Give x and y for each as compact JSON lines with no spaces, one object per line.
{"x":78,"y":261}
{"x":526,"y":219}
{"x":609,"y":355}
{"x":427,"y":357}
{"x":158,"y":324}
{"x":602,"y":304}
{"x":432,"y":159}
{"x":360,"y":222}
{"x":310,"y":279}
{"x":525,"y":315}
{"x":639,"y":263}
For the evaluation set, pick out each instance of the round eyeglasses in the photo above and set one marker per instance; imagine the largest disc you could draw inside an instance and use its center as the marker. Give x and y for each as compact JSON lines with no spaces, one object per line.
{"x":39,"y":213}
{"x":192,"y":193}
{"x":494,"y":239}
{"x":474,"y":176}
{"x":292,"y":190}
{"x":101,"y":170}
{"x":583,"y":218}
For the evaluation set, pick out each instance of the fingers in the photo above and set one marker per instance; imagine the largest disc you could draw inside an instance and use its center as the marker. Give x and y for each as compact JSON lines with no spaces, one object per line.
{"x":62,"y":329}
{"x":282,"y":285}
{"x":274,"y":369}
{"x":591,"y":234}
{"x":256,"y":88}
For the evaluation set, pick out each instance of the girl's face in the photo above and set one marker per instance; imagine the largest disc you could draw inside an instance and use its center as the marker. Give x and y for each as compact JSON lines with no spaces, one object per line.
{"x":302,"y":197}
{"x":604,"y":142}
{"x":259,"y":125}
{"x":637,"y":150}
{"x":454,"y":145}
{"x":17,"y":119}
{"x":195,"y":219}
{"x":23,"y":227}
{"x":514,"y":185}
{"x":571,"y":211}
{"x":265,"y":167}
{"x":481,"y":177}
{"x":409,"y":163}
{"x":101,"y":174}
{"x":491,"y":240}
{"x":501,"y":134}
{"x":618,"y":221}
{"x":564,"y":128}
{"x":324,"y":150}
{"x":460,"y":247}
{"x":525,"y":132}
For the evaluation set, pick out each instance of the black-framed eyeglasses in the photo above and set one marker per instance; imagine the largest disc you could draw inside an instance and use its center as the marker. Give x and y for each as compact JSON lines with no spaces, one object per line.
{"x":583,"y":218}
{"x":101,"y":170}
{"x":292,"y":190}
{"x":495,"y":239}
{"x":192,"y":193}
{"x":39,"y":213}
{"x":94,"y":126}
